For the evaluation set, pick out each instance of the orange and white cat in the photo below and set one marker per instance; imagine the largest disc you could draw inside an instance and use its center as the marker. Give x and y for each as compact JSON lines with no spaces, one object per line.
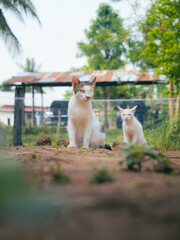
{"x":132,"y":128}
{"x":83,"y":127}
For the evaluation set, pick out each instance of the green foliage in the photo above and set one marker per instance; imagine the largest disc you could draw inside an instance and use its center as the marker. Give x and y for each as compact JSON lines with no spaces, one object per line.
{"x":121,"y":91}
{"x":162,"y":45}
{"x":135,"y":155}
{"x":3,"y":134}
{"x":68,"y":94}
{"x":105,"y":40}
{"x":5,"y":88}
{"x":60,"y":176}
{"x":170,"y":135}
{"x":19,"y":9}
{"x":102,"y":175}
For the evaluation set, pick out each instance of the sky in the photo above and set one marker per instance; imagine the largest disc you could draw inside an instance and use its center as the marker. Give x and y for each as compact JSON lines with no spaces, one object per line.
{"x":54,"y":43}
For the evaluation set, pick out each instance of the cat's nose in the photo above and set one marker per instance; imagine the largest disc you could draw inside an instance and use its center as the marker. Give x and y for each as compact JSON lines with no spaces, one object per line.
{"x":88,"y":97}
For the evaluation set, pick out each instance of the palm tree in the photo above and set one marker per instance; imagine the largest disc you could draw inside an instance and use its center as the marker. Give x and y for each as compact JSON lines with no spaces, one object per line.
{"x":17,"y":7}
{"x":30,"y":66}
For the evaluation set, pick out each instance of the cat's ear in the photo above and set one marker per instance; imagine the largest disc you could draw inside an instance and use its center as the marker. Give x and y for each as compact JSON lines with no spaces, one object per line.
{"x":75,"y":81}
{"x":134,"y":109}
{"x":120,"y":109}
{"x":93,"y":82}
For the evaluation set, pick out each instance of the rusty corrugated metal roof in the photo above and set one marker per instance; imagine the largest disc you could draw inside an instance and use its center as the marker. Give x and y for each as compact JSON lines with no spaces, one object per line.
{"x":102,"y":76}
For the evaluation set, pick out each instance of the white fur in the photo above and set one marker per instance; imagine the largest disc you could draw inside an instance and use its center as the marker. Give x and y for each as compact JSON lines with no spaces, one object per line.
{"x":132,"y":128}
{"x":83,"y":127}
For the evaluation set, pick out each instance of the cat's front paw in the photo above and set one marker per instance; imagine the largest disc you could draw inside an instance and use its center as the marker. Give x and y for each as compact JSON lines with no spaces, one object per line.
{"x":72,"y":145}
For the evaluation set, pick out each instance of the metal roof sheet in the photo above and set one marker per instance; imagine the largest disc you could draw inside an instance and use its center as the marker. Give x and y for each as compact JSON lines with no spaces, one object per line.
{"x":102,"y":76}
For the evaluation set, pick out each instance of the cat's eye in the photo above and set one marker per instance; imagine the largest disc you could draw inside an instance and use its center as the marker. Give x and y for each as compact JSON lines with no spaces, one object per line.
{"x":129,"y":114}
{"x":82,"y":91}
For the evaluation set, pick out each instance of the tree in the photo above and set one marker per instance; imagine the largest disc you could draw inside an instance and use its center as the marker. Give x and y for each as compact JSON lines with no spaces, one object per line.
{"x":30,"y":66}
{"x":17,"y":7}
{"x":105,"y":40}
{"x":105,"y":46}
{"x":162,"y":46}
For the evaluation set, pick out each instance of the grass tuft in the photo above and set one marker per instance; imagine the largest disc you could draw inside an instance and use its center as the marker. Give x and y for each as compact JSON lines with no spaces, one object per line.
{"x":135,"y":155}
{"x":102,"y":175}
{"x":60,"y":176}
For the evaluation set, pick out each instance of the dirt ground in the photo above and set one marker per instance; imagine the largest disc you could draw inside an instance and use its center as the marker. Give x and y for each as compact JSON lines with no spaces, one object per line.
{"x":136,"y":205}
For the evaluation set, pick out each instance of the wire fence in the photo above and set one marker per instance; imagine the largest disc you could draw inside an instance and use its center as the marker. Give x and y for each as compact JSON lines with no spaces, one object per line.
{"x":51,"y":119}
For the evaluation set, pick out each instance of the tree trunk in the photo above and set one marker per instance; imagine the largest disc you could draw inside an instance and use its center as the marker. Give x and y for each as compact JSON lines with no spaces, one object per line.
{"x":59,"y":123}
{"x":109,"y":108}
{"x":151,"y":105}
{"x":105,"y":108}
{"x":177,"y":106}
{"x":33,"y":110}
{"x":42,"y":110}
{"x":171,"y":110}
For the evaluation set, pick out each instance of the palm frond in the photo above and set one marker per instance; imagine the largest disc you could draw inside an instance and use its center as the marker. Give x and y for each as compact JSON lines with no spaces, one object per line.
{"x":8,"y":5}
{"x":27,"y":7}
{"x":5,"y":32}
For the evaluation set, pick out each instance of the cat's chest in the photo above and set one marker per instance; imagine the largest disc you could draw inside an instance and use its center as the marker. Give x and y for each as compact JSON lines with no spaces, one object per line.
{"x":130,"y":129}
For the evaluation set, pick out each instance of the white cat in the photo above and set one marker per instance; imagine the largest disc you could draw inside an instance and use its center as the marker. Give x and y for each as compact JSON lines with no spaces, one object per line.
{"x":83,"y":127}
{"x":132,"y":128}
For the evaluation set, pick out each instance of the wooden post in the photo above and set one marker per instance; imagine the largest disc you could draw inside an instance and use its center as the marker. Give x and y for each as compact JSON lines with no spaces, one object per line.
{"x":177,"y":106}
{"x":33,"y":110}
{"x":59,"y":123}
{"x":171,"y":107}
{"x":42,"y":111}
{"x":105,"y":108}
{"x":18,"y":115}
{"x":109,"y":108}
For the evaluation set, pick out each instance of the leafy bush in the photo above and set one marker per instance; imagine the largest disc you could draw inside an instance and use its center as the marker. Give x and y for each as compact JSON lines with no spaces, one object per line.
{"x":102,"y":175}
{"x":135,"y":155}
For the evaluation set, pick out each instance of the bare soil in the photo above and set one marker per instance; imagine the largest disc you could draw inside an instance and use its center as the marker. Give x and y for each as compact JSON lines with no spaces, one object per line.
{"x":136,"y":205}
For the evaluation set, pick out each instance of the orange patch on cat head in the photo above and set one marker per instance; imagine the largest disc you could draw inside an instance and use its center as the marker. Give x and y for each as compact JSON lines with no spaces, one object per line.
{"x":75,"y":81}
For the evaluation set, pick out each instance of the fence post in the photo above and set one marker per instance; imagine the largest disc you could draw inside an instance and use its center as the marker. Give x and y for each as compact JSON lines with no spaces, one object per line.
{"x":42,"y":106}
{"x":105,"y":109}
{"x":59,"y":123}
{"x":18,"y":115}
{"x":33,"y":110}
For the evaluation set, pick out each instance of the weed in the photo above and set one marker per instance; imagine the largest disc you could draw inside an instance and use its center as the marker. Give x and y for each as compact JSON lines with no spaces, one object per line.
{"x":60,"y":176}
{"x":102,"y":175}
{"x":135,"y":155}
{"x":33,"y":155}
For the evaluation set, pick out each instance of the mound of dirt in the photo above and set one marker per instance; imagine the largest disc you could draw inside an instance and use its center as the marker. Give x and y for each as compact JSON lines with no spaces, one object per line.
{"x":117,"y":145}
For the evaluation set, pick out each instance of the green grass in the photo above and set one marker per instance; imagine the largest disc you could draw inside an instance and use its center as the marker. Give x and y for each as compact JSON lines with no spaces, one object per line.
{"x":165,"y":137}
{"x":102,"y":175}
{"x":60,"y":176}
{"x":114,"y":135}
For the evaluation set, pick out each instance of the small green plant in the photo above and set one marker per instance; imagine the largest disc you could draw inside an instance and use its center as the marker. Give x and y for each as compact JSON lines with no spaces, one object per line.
{"x":60,"y":176}
{"x":135,"y":155}
{"x":33,"y":155}
{"x":102,"y":175}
